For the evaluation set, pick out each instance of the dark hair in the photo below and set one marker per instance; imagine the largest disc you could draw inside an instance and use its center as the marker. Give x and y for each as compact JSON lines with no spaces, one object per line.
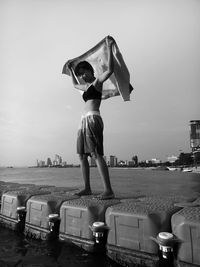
{"x":83,"y":65}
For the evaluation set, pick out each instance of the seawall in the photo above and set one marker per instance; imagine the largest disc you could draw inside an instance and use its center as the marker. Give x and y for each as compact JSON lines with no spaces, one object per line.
{"x":128,"y":228}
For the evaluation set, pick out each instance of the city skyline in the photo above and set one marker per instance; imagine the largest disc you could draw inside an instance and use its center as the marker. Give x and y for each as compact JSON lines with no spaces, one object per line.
{"x":39,"y":108}
{"x":194,"y":147}
{"x":114,"y":161}
{"x":111,"y":160}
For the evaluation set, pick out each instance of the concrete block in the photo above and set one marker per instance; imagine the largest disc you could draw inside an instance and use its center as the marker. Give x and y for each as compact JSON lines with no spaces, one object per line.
{"x":78,"y":215}
{"x":133,"y":222}
{"x":14,"y":199}
{"x":186,"y":226}
{"x":38,"y":210}
{"x":11,"y":202}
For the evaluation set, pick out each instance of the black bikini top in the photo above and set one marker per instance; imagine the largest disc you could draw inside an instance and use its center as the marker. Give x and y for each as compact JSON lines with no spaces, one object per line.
{"x":91,"y":93}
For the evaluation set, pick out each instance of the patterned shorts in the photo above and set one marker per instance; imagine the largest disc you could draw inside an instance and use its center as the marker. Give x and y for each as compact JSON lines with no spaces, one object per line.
{"x":90,"y":134}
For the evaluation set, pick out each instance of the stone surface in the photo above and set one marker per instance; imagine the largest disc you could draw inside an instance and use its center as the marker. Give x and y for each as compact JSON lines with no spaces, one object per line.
{"x":186,"y":226}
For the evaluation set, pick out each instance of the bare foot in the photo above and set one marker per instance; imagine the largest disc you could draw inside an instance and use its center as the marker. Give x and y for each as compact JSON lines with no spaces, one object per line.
{"x":106,"y":195}
{"x":84,"y":192}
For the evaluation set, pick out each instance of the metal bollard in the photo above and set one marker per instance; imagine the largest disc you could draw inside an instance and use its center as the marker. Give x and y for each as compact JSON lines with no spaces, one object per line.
{"x":100,"y":231}
{"x":54,"y":224}
{"x":167,"y":243}
{"x":21,"y":218}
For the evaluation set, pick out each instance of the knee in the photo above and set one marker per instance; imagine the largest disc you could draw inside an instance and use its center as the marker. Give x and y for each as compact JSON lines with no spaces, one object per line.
{"x":94,"y":155}
{"x":82,"y":157}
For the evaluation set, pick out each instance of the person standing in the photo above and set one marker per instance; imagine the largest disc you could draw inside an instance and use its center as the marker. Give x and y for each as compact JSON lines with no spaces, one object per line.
{"x":90,"y":134}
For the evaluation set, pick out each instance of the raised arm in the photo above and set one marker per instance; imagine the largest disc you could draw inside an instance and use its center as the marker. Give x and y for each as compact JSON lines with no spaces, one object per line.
{"x":104,"y":76}
{"x":75,"y":81}
{"x":110,"y":93}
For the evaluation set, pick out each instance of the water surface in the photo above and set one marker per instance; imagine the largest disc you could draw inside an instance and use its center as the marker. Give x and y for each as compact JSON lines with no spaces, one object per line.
{"x":127,"y":182}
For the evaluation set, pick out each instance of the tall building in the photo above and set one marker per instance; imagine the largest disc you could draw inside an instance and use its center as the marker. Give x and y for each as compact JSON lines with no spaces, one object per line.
{"x":113,"y":161}
{"x":37,"y":163}
{"x":195,"y":139}
{"x":58,"y":160}
{"x":49,"y":163}
{"x":195,"y":134}
{"x":135,"y":160}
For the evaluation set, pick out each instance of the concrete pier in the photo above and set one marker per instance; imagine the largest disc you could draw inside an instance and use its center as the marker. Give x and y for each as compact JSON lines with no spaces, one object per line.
{"x":131,"y":223}
{"x":77,"y":217}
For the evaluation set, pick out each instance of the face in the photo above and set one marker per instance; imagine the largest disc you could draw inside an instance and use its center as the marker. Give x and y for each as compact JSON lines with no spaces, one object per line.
{"x":85,"y":74}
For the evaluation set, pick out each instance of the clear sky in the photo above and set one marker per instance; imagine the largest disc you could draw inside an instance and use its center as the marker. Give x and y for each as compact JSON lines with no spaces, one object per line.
{"x":39,"y":108}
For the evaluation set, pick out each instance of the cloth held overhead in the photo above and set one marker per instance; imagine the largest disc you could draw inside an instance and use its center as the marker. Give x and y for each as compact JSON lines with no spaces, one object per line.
{"x":118,"y":82}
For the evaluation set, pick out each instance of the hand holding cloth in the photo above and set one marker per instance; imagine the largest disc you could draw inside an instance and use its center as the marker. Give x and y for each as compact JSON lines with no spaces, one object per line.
{"x":97,"y":56}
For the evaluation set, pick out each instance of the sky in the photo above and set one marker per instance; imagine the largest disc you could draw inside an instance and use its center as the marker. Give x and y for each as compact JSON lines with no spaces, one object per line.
{"x":39,"y":108}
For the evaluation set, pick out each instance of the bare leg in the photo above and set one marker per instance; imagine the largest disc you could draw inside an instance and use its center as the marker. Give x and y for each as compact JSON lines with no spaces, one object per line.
{"x":103,"y":170}
{"x":85,"y":168}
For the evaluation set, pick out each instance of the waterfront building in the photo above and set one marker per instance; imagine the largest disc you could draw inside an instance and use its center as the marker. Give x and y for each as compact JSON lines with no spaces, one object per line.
{"x":58,"y":160}
{"x":41,"y":163}
{"x":113,"y":161}
{"x":195,"y":134}
{"x":64,"y":164}
{"x":135,"y":160}
{"x":131,"y":163}
{"x":172,"y":159}
{"x":156,"y":161}
{"x":49,"y":163}
{"x":37,"y":163}
{"x":195,"y":140}
{"x":122,"y":163}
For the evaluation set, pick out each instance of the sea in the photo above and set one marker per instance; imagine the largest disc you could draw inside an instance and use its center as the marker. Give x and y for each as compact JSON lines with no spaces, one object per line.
{"x":125,"y":181}
{"x":17,"y":250}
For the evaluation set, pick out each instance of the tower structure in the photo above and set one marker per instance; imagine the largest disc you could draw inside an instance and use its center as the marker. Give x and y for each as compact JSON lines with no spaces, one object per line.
{"x":195,"y":139}
{"x":57,"y":161}
{"x":113,"y":161}
{"x":49,"y":163}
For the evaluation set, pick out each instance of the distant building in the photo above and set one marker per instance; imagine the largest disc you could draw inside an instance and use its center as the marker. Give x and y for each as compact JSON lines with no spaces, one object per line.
{"x":195,"y":134}
{"x":64,"y":163}
{"x":113,"y":161}
{"x":131,"y":163}
{"x":122,"y":163}
{"x":49,"y":163}
{"x":195,"y":139}
{"x":172,"y":158}
{"x":57,"y":161}
{"x":37,"y":163}
{"x":156,"y":161}
{"x":40,"y":163}
{"x":135,"y":160}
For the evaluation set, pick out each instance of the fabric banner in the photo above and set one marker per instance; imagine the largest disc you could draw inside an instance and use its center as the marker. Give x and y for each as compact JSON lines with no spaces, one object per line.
{"x":118,"y":82}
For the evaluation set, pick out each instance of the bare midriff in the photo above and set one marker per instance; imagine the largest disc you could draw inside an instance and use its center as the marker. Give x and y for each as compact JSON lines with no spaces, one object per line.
{"x":92,"y":105}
